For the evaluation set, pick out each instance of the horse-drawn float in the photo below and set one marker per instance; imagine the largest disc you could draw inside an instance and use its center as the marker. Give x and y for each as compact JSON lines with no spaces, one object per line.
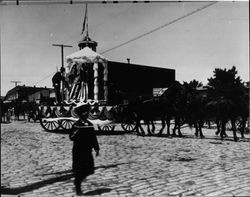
{"x":84,"y":82}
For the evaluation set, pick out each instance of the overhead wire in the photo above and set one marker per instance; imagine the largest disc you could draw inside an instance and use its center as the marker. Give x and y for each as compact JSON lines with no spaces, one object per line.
{"x":90,"y":29}
{"x":44,"y":78}
{"x":45,"y":2}
{"x":160,"y":27}
{"x":151,"y":31}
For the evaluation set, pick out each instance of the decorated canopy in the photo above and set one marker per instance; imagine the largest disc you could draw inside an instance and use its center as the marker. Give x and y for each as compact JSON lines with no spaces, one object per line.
{"x":83,"y":57}
{"x":86,"y":55}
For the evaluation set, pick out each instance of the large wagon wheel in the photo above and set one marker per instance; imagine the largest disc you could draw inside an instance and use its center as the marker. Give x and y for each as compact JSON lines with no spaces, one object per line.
{"x":49,"y":125}
{"x":107,"y":127}
{"x":128,"y":126}
{"x":66,"y":124}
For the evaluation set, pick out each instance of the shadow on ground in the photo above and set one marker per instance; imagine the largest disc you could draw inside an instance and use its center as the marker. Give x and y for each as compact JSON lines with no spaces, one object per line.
{"x":217,"y":138}
{"x":33,"y":186}
{"x":64,"y":175}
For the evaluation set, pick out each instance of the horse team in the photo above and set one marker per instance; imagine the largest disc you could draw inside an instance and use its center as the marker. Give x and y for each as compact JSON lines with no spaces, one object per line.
{"x":194,"y":106}
{"x":186,"y":103}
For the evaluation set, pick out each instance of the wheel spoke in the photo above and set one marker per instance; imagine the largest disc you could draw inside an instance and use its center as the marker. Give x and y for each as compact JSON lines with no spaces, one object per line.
{"x":66,"y":124}
{"x":69,"y":124}
{"x":49,"y":125}
{"x":52,"y":125}
{"x":45,"y":124}
{"x":55,"y":125}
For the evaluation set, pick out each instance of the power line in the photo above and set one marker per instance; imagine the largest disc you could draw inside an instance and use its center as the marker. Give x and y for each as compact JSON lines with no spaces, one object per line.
{"x":43,"y":2}
{"x":152,"y":31}
{"x":70,"y":2}
{"x":57,"y":45}
{"x":44,"y":78}
{"x":160,"y":27}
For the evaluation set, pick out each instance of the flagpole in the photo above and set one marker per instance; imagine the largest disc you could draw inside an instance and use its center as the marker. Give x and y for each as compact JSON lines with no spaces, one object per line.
{"x":84,"y":20}
{"x":87,"y":24}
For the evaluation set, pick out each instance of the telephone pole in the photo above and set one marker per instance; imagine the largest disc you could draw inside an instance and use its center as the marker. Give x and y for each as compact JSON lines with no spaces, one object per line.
{"x":16,"y":82}
{"x":62,"y":47}
{"x":62,"y":67}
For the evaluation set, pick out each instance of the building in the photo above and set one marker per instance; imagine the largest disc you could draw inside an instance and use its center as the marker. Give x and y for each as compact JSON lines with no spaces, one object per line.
{"x":29,"y":94}
{"x":42,"y":96}
{"x":125,"y":80}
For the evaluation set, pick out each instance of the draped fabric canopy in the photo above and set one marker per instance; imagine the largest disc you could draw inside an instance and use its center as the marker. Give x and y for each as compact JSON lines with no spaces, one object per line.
{"x":86,"y":55}
{"x":83,"y":57}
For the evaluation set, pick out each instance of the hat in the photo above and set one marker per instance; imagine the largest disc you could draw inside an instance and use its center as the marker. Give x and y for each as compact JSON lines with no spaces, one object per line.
{"x":81,"y":110}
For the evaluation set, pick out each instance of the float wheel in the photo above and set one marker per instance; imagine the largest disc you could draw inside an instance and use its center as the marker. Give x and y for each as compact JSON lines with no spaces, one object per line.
{"x":49,"y":125}
{"x":66,"y":124}
{"x":106,"y":127}
{"x":128,"y":126}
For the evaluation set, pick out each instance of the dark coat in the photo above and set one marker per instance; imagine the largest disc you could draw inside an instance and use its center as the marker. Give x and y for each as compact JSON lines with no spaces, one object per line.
{"x":84,"y":140}
{"x":56,"y":79}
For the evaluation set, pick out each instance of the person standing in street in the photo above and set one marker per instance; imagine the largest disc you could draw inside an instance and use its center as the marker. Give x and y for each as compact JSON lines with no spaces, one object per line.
{"x":84,"y":141}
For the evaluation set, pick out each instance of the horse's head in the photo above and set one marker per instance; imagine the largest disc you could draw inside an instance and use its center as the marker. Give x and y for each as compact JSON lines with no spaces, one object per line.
{"x":176,"y":89}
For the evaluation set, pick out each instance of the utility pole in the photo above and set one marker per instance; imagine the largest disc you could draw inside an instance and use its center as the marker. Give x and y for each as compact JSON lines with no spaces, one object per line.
{"x":62,"y":47}
{"x":16,"y":82}
{"x":62,"y":67}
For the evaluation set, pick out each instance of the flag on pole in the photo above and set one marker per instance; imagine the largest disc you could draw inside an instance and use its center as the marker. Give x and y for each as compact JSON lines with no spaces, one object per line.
{"x":84,"y":20}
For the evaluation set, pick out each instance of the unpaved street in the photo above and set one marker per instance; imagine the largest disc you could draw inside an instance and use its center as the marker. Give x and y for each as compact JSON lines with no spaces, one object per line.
{"x":38,"y":163}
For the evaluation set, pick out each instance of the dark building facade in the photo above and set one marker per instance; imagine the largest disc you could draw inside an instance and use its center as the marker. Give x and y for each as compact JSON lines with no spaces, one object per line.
{"x":29,"y":94}
{"x":127,"y":81}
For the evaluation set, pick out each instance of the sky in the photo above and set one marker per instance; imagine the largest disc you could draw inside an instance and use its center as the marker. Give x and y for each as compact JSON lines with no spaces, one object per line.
{"x":214,"y":37}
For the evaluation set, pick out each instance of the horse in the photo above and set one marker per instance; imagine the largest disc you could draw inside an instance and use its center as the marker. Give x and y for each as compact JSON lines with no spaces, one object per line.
{"x":196,"y":112}
{"x":174,"y":106}
{"x":223,"y":110}
{"x":143,"y":109}
{"x":171,"y":104}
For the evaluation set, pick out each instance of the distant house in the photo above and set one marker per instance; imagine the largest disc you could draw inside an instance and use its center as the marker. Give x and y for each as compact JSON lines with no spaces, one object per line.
{"x":42,"y":96}
{"x":29,"y":94}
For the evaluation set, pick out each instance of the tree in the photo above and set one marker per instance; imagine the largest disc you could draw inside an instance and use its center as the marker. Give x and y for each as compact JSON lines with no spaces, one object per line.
{"x":226,"y":90}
